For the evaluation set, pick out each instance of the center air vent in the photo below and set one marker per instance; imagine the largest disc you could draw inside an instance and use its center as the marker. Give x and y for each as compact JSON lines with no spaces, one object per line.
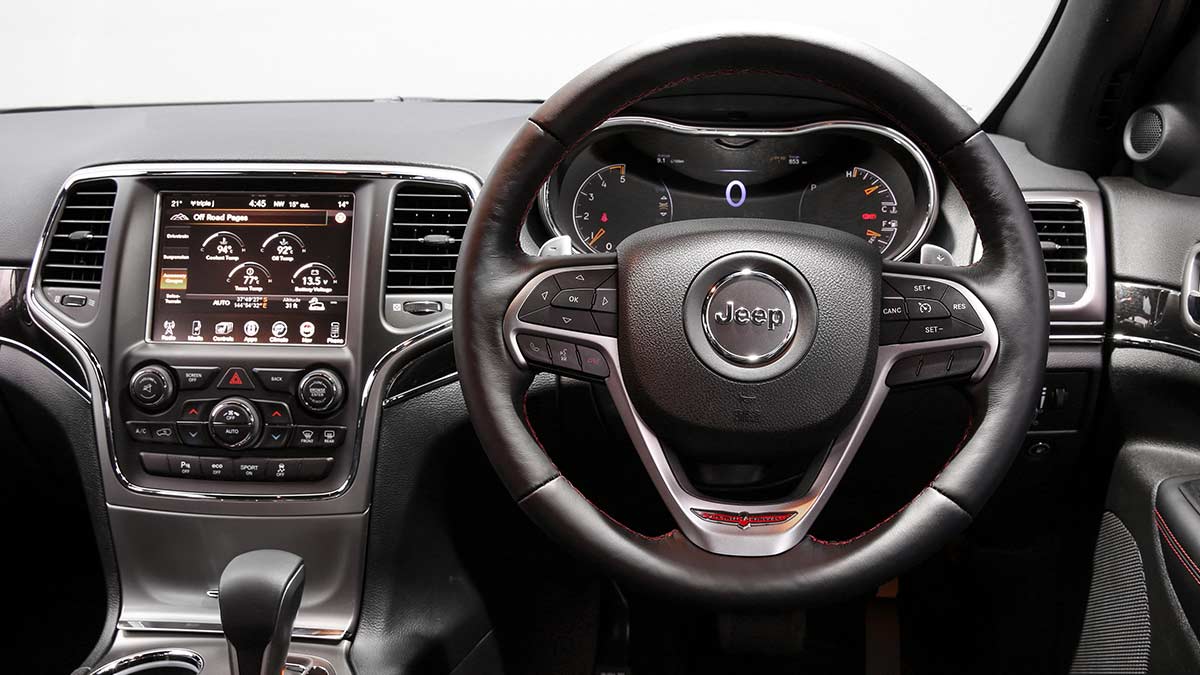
{"x":75,"y":254}
{"x":1061,"y":229}
{"x":428,"y":222}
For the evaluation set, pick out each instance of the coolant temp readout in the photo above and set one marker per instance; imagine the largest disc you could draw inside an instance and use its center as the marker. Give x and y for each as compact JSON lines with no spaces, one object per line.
{"x":252,"y":268}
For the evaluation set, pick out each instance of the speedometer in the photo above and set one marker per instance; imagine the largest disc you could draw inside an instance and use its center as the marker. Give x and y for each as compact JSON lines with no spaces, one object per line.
{"x":612,"y":204}
{"x":859,"y":202}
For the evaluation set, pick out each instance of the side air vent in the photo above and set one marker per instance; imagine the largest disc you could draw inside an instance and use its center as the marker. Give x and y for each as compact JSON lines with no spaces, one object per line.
{"x":75,"y":253}
{"x":1063,"y":234}
{"x":428,"y":222}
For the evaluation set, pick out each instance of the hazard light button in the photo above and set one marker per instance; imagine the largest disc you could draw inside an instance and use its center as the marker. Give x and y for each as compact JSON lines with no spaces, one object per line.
{"x":236,"y":378}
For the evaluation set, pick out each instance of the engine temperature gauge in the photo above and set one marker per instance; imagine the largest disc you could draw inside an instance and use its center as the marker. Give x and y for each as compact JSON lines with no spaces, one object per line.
{"x":611,"y":204}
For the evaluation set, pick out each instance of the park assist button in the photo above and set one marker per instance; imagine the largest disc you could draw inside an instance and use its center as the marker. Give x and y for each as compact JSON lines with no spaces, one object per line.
{"x":236,"y":378}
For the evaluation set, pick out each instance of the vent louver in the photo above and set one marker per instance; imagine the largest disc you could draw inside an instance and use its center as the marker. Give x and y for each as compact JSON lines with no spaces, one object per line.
{"x":1061,"y":229}
{"x":428,"y":222}
{"x":75,"y":254}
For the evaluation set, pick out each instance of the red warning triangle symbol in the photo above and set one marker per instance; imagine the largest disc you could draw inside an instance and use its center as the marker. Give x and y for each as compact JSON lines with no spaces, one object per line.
{"x":235,"y":379}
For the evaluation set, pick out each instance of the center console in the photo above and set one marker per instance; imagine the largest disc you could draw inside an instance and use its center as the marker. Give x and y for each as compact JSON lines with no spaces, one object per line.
{"x":238,"y":328}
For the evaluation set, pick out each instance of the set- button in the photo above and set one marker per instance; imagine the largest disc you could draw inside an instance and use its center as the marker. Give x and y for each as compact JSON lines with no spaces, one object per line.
{"x":916,"y":310}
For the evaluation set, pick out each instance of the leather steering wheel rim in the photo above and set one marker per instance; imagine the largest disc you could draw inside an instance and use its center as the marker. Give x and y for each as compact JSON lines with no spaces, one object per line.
{"x":1009,"y":280}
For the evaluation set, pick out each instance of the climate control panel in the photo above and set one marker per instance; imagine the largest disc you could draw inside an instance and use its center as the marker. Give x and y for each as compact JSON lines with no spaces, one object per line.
{"x":236,"y":423}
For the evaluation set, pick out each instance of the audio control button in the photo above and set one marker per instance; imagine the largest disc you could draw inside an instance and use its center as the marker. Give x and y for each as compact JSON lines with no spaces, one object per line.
{"x":152,"y":388}
{"x":320,"y":391}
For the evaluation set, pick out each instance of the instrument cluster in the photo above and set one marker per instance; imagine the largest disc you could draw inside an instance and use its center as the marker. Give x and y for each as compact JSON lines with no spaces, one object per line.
{"x":638,"y":172}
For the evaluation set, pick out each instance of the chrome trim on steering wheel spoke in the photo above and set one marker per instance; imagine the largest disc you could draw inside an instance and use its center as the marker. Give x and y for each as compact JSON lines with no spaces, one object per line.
{"x":759,"y":528}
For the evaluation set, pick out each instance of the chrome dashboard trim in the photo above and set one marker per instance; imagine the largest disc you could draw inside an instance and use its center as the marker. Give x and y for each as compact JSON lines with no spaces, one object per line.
{"x":816,"y":127}
{"x":46,"y":319}
{"x":209,"y":628}
{"x":680,"y":497}
{"x":179,"y":658}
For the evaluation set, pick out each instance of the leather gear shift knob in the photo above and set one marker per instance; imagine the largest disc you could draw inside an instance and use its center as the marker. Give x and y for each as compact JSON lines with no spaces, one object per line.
{"x":259,"y":598}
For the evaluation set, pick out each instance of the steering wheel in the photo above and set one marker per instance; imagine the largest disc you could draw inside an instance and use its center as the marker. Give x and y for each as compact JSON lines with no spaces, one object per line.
{"x":751,"y":340}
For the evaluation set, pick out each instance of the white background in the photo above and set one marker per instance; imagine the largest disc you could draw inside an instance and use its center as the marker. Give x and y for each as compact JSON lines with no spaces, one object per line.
{"x":93,"y":52}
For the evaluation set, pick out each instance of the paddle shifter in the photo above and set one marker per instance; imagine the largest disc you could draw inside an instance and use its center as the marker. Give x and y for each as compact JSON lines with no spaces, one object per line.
{"x":260,"y":595}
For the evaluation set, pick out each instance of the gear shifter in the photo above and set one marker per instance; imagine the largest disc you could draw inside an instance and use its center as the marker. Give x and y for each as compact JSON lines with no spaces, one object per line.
{"x":259,"y":597}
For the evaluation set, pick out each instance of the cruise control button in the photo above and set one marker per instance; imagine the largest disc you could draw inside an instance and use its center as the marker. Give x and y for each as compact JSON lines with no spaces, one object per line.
{"x":250,"y":469}
{"x":184,"y":466}
{"x":194,"y":433}
{"x":564,"y":355}
{"x":892,"y":309}
{"x":283,"y":469}
{"x":960,"y":308}
{"x":606,"y":301}
{"x":918,"y":288}
{"x":274,"y":437}
{"x":277,"y":379}
{"x":965,"y":361}
{"x":574,"y":299}
{"x":533,"y":348}
{"x":592,"y":362}
{"x":926,"y":309}
{"x":583,"y":278}
{"x":156,"y":463}
{"x":216,"y":468}
{"x":235,"y":378}
{"x":195,"y":377}
{"x":936,"y":329}
{"x":540,"y":298}
{"x":274,"y":412}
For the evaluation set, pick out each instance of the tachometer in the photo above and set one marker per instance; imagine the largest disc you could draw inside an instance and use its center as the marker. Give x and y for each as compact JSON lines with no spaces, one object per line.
{"x":611,"y":204}
{"x":858,"y":202}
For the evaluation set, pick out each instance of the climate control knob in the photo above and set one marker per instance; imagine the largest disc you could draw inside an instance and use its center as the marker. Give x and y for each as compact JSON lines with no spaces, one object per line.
{"x":152,"y":388}
{"x":321,"y":391}
{"x":234,"y":423}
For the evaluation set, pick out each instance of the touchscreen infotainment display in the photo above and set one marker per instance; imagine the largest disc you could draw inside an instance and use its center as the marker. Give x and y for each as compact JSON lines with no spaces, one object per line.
{"x":252,"y":268}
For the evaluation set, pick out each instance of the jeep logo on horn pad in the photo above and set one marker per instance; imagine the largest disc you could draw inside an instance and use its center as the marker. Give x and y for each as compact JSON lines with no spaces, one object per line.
{"x":749,"y":317}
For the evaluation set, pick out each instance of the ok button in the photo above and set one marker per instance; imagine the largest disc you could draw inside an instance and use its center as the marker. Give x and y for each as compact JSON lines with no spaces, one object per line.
{"x":574,"y":299}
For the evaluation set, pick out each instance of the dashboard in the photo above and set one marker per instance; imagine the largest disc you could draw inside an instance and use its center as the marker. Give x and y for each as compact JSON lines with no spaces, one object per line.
{"x":636,"y":172}
{"x":220,"y":248}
